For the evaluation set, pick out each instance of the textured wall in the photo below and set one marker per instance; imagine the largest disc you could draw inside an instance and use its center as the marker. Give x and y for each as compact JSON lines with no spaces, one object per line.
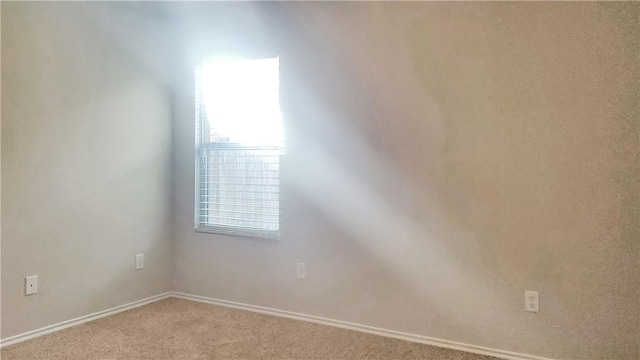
{"x":86,"y":160}
{"x":442,"y":159}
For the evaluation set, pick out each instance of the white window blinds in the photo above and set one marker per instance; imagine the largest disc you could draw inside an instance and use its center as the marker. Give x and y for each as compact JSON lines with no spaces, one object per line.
{"x":239,"y":131}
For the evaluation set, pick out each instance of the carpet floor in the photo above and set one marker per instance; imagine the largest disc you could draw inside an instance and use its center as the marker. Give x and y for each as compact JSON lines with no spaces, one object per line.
{"x":182,"y":329}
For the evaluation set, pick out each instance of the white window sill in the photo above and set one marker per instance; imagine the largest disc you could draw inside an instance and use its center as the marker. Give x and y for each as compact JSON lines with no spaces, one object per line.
{"x":275,"y":235}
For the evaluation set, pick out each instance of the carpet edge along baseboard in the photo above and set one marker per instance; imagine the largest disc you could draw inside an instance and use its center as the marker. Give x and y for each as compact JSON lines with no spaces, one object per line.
{"x":81,"y":320}
{"x":503,"y":354}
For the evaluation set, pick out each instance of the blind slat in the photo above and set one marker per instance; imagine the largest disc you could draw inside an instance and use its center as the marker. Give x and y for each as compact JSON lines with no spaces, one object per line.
{"x":238,"y":219}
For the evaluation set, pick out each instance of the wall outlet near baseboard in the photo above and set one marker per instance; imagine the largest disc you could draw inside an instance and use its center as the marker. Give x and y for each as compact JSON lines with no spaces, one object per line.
{"x":31,"y":285}
{"x":139,"y":261}
{"x":301,"y":271}
{"x":531,"y":301}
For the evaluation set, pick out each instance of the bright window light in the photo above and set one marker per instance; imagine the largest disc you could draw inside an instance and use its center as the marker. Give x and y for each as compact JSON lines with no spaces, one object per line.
{"x":239,"y":127}
{"x":241,"y":100}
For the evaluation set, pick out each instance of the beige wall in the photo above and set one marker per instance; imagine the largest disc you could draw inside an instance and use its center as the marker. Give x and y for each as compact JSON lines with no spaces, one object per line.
{"x":442,"y":159}
{"x":86,"y":160}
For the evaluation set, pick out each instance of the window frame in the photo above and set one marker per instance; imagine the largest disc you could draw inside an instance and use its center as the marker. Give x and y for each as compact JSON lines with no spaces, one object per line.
{"x":236,"y":231}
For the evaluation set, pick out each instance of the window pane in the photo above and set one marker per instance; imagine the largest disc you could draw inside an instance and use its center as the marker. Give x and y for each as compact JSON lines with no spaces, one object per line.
{"x":241,"y":101}
{"x":240,"y":131}
{"x":240,"y":188}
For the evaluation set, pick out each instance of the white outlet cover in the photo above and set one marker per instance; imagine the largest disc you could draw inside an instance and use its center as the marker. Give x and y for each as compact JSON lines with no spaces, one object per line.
{"x":31,"y":285}
{"x":531,"y":301}
{"x":301,"y":272}
{"x":139,"y":261}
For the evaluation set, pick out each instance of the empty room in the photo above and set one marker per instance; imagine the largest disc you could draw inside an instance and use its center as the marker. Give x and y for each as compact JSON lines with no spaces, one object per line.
{"x":320,"y":180}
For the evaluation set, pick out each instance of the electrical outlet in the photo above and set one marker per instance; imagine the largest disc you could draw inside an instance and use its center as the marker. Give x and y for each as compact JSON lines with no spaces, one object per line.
{"x":31,"y":285}
{"x":301,"y":271}
{"x":531,"y":301}
{"x":139,"y":261}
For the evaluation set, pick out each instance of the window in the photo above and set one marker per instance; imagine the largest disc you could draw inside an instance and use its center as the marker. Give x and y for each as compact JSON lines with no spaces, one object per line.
{"x":239,"y":144}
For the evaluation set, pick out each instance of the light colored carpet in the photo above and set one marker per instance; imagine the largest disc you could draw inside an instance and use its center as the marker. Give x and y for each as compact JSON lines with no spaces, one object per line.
{"x":182,"y":329}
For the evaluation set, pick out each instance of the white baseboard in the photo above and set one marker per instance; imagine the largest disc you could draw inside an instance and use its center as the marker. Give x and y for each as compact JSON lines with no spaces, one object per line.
{"x":80,"y":320}
{"x":503,"y":354}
